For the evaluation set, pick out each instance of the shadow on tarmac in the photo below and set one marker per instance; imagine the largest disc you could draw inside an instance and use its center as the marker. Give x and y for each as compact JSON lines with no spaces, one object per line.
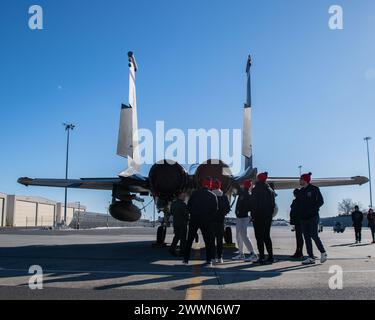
{"x":135,"y":263}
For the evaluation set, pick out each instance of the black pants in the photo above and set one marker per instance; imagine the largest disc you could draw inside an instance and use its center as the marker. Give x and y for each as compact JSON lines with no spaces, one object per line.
{"x":206,"y":229}
{"x":262,"y":229}
{"x":180,"y":233}
{"x":218,"y":233}
{"x":358,"y":231}
{"x":310,"y":232}
{"x":299,"y":239}
{"x":372,"y":228}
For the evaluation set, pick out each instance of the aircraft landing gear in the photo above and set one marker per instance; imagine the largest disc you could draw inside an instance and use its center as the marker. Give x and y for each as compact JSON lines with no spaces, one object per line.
{"x":160,"y":235}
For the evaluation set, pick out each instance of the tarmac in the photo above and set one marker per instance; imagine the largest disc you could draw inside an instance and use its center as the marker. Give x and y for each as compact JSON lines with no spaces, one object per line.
{"x":122,"y":263}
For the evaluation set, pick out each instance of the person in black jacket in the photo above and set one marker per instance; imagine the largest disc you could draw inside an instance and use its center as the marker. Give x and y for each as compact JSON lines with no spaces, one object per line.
{"x":262,"y":209}
{"x":371,"y":223}
{"x":296,"y":222}
{"x":357,"y":218}
{"x":218,"y":224}
{"x":310,"y":200}
{"x":202,"y":207}
{"x":242,"y":223}
{"x":180,"y":216}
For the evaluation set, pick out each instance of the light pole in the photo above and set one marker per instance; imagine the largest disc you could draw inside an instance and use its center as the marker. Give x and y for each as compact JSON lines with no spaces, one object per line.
{"x":68,"y":127}
{"x":78,"y":216}
{"x":109,"y":204}
{"x":300,"y":170}
{"x":153,"y":218}
{"x":369,"y":167}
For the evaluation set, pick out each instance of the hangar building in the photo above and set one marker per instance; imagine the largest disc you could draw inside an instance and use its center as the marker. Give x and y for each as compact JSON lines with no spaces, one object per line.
{"x":30,"y":211}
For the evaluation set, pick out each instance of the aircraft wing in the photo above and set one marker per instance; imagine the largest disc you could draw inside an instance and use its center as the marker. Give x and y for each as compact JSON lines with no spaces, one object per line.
{"x":293,"y":182}
{"x":134,"y":183}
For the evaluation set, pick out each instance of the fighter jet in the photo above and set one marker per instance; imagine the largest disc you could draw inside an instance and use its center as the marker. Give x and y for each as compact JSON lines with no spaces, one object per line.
{"x":167,"y":179}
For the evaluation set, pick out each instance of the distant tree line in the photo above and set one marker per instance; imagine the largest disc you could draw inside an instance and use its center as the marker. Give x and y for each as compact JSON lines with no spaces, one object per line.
{"x":346,"y":206}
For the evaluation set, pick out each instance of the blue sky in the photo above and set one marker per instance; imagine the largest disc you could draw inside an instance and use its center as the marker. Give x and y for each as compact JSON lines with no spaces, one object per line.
{"x":313,"y":88}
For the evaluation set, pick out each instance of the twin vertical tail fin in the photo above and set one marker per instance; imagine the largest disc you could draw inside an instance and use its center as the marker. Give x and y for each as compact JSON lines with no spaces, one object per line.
{"x":127,"y":145}
{"x":246,"y":133}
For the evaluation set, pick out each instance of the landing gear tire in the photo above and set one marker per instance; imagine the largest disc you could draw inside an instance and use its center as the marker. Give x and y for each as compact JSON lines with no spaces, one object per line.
{"x":228,"y":235}
{"x":160,"y":235}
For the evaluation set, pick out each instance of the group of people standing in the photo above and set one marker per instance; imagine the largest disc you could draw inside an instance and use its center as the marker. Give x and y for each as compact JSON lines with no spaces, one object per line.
{"x":207,"y":207}
{"x":205,"y":211}
{"x":357,"y":218}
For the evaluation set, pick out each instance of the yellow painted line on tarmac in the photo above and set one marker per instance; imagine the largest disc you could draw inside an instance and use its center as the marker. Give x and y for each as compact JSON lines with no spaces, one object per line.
{"x":195,"y":290}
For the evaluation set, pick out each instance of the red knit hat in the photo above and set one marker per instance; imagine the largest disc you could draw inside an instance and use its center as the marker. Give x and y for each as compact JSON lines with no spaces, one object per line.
{"x":262,"y":177}
{"x":207,"y":183}
{"x":306,"y":177}
{"x":247,"y":184}
{"x":216,"y":184}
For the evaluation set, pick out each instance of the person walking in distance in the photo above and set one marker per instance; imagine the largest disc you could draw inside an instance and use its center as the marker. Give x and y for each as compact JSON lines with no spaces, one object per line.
{"x":357,"y":218}
{"x":310,"y":200}
{"x":371,"y":223}
{"x":262,"y":209}
{"x":180,"y":216}
{"x":296,"y":222}
{"x":202,"y":207}
{"x":218,"y":224}
{"x":242,"y":222}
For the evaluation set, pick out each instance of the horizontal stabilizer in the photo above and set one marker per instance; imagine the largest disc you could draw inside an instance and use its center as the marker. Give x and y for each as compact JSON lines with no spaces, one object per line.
{"x":293,"y":182}
{"x":135,"y":183}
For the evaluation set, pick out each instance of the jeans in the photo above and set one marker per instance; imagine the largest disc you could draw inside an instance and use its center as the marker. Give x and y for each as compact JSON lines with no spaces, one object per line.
{"x":310,"y":232}
{"x":358,"y":230}
{"x":241,"y":235}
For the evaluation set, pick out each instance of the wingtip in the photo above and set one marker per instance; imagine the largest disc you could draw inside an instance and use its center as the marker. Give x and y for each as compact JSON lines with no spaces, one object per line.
{"x":24,"y":180}
{"x":361,"y":180}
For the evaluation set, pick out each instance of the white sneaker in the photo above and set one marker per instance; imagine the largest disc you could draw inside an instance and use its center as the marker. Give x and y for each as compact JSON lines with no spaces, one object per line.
{"x":323,"y":257}
{"x":308,"y":261}
{"x":220,"y":260}
{"x":239,"y":257}
{"x":209,"y":264}
{"x":252,"y":258}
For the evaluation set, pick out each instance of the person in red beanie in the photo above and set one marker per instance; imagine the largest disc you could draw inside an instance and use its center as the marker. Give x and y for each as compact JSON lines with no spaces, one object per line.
{"x":202,"y":207}
{"x":262,"y":208}
{"x":242,"y":223}
{"x":218,"y":224}
{"x":310,"y":200}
